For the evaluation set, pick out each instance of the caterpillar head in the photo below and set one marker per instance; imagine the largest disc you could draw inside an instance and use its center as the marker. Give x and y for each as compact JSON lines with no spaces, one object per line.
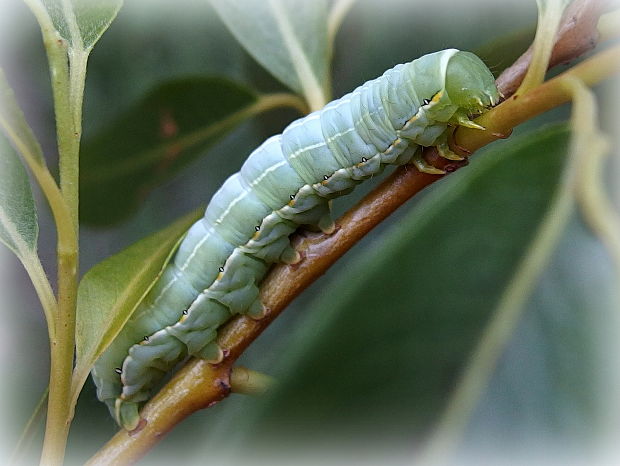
{"x":470,"y":85}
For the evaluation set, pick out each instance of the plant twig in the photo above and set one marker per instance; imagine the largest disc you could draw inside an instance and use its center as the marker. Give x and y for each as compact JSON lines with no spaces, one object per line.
{"x":549,"y":17}
{"x":212,"y":383}
{"x":62,"y":339}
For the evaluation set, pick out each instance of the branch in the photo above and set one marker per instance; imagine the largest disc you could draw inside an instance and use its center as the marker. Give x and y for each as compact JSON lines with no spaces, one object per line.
{"x":199,"y":384}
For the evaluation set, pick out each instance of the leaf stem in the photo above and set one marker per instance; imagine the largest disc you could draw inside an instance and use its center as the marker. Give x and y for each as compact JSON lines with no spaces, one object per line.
{"x":595,"y":206}
{"x":576,"y":35}
{"x":549,"y":16}
{"x":43,"y":289}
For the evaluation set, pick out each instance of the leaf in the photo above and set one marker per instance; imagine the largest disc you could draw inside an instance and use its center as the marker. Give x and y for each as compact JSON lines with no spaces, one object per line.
{"x":111,"y":290}
{"x":91,"y":18}
{"x":378,"y":353}
{"x":289,"y":38}
{"x":156,"y":137}
{"x":19,"y":229}
{"x":14,"y":124}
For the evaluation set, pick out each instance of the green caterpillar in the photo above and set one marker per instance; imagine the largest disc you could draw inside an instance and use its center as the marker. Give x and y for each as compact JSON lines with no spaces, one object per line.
{"x":286,"y":182}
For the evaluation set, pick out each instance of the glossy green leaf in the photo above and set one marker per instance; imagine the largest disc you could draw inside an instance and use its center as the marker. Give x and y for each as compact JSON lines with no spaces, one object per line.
{"x":156,"y":137}
{"x":91,"y":18}
{"x":19,"y":229}
{"x":379,"y":352}
{"x":287,"y":37}
{"x":111,"y":290}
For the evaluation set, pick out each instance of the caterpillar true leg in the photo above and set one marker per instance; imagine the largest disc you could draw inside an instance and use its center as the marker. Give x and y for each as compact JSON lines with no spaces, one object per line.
{"x":422,"y":165}
{"x":463,"y":120}
{"x":443,"y":148}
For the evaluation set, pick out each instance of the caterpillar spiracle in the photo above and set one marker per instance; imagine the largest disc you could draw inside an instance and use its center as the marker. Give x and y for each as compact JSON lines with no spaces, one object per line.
{"x":286,"y":182}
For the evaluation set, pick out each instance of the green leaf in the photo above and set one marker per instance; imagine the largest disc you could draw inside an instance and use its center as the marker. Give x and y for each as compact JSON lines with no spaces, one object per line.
{"x":171,"y":126}
{"x":90,"y":17}
{"x":289,"y":38}
{"x":19,"y":229}
{"x":379,"y":352}
{"x":14,"y":124}
{"x":111,"y":291}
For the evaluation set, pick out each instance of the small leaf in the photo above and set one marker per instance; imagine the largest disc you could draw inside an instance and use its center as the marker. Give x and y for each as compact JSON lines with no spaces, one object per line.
{"x":14,"y":125}
{"x":154,"y":139}
{"x":111,"y":290}
{"x":19,"y":229}
{"x":91,"y":18}
{"x":289,"y":38}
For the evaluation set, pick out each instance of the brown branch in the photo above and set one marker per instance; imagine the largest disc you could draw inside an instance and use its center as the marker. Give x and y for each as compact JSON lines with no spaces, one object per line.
{"x":199,"y":385}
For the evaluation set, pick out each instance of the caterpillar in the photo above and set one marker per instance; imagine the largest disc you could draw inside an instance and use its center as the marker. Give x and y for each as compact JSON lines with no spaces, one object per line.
{"x":286,"y":182}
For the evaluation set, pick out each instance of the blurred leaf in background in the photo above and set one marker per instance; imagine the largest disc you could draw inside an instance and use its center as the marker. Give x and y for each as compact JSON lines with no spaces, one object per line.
{"x":378,"y":354}
{"x":153,"y":140}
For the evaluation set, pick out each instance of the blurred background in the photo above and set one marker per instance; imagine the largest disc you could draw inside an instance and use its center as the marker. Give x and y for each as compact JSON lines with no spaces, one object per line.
{"x":367,"y":358}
